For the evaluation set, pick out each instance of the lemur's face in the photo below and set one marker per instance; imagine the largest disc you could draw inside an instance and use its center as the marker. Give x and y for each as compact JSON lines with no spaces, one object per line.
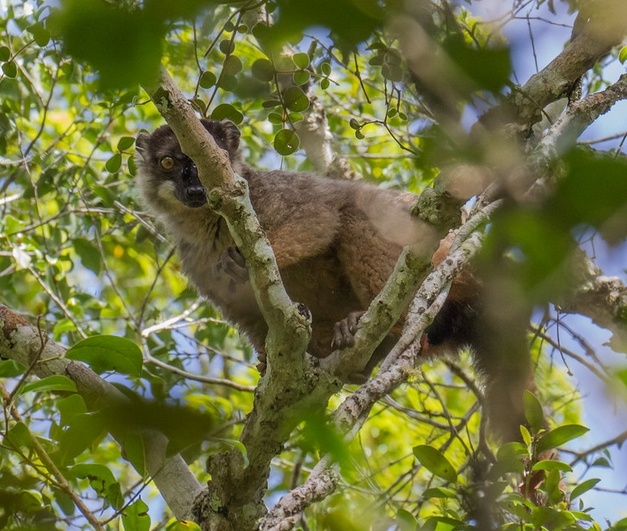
{"x":172,"y":173}
{"x":166,"y":174}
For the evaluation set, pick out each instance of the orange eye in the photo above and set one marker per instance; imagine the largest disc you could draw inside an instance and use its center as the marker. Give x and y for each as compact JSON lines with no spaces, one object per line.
{"x":167,"y":163}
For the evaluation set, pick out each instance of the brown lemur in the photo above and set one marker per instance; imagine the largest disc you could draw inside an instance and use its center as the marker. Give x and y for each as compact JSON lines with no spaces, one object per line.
{"x":336,"y":243}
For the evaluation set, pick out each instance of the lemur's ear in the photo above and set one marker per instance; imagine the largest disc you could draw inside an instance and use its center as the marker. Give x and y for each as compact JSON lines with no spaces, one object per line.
{"x":225,"y":133}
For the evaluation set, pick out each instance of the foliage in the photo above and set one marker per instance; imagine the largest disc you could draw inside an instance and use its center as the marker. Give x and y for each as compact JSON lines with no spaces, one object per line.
{"x":78,"y":255}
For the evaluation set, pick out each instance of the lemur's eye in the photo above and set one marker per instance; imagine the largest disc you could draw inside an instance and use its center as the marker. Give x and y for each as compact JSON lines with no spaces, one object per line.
{"x":167,"y":163}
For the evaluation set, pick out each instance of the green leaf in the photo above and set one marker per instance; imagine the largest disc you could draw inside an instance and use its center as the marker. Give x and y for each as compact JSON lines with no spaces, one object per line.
{"x":439,"y":492}
{"x":135,"y":452}
{"x":41,"y":34}
{"x":583,"y":487}
{"x":286,"y":142}
{"x":135,"y":517}
{"x":622,"y":55}
{"x":114,"y":163}
{"x":301,"y":77}
{"x":125,"y":142}
{"x":69,"y":407}
{"x":533,"y":411}
{"x":325,"y":69}
{"x":10,"y":69}
{"x":559,"y":436}
{"x":19,"y":436}
{"x":268,"y":104}
{"x":108,"y":353}
{"x":89,"y":254}
{"x":526,"y":436}
{"x":275,"y":118}
{"x":227,"y":46}
{"x":232,"y":65}
{"x":30,"y":501}
{"x":301,"y":60}
{"x":5,"y":53}
{"x":55,"y":382}
{"x":549,"y":464}
{"x":353,"y":22}
{"x":207,"y":80}
{"x":226,"y":111}
{"x":123,"y":46}
{"x":407,"y":520}
{"x":592,"y":193}
{"x":295,"y":99}
{"x":101,"y":479}
{"x":83,"y":432}
{"x":391,"y":67}
{"x":435,"y":462}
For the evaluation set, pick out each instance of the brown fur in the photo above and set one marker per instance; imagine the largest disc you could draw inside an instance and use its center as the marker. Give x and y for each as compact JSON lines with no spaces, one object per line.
{"x":336,"y":244}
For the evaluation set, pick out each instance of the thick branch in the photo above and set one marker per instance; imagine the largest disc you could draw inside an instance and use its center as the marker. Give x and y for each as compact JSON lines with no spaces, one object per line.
{"x":602,"y":299}
{"x":382,"y":314}
{"x":353,"y":412}
{"x":286,"y":392}
{"x":596,"y":33}
{"x":22,"y":342}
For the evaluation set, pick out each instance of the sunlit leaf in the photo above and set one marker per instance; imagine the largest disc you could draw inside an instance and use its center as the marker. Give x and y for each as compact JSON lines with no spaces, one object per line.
{"x":126,"y":142}
{"x":83,"y":432}
{"x":69,"y":407}
{"x":135,"y":516}
{"x":435,"y":462}
{"x":108,"y":353}
{"x":560,"y":435}
{"x":295,"y":99}
{"x":10,"y":69}
{"x":301,"y":60}
{"x":533,"y":411}
{"x":114,"y":163}
{"x":30,"y":501}
{"x":583,"y":487}
{"x":225,"y":111}
{"x":549,"y":464}
{"x":18,"y":436}
{"x":56,"y":382}
{"x":286,"y":142}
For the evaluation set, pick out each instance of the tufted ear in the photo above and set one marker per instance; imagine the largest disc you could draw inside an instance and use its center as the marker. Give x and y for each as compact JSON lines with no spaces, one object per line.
{"x":141,"y":144}
{"x":225,"y":133}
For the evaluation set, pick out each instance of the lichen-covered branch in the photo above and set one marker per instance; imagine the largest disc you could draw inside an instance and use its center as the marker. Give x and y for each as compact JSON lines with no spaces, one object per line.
{"x":353,"y":412}
{"x":597,"y":30}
